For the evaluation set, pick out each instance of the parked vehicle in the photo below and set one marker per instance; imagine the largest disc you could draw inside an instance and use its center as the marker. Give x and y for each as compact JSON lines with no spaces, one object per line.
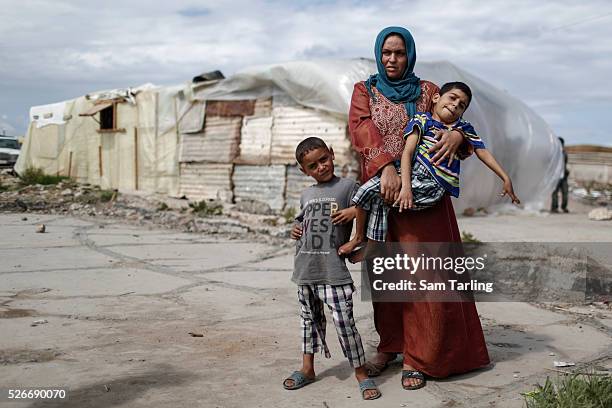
{"x":9,"y":151}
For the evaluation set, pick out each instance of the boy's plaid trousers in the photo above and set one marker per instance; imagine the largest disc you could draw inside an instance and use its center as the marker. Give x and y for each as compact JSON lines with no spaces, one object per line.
{"x":339,"y":299}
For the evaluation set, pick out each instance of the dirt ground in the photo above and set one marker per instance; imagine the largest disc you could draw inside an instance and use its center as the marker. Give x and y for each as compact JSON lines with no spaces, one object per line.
{"x":116,"y":303}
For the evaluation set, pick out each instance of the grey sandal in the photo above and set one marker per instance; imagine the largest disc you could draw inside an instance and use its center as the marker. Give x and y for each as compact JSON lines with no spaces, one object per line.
{"x":369,"y":385}
{"x":299,"y":381}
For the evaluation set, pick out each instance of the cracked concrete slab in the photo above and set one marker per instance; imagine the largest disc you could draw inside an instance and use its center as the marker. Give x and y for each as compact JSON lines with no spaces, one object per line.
{"x":93,"y":282}
{"x":123,"y":300}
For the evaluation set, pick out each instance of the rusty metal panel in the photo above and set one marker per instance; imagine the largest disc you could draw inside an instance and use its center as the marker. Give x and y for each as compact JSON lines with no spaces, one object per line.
{"x":293,"y":124}
{"x":204,"y":181}
{"x":256,"y":140}
{"x":263,"y":107}
{"x":217,"y":144}
{"x":230,"y":108}
{"x":261,"y":183}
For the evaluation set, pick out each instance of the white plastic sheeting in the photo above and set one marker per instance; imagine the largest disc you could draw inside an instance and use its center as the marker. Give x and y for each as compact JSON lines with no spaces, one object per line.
{"x":52,"y":114}
{"x":518,"y":137}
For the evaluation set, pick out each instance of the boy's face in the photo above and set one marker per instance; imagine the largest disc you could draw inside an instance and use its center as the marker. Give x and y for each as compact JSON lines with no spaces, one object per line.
{"x":319,"y":164}
{"x":450,"y":106}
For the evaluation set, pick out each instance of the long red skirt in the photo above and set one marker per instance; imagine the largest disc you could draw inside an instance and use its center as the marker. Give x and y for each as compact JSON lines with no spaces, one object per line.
{"x":437,"y":338}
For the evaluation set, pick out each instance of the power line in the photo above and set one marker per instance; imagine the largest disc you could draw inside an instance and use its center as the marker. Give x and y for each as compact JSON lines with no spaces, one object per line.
{"x":585,"y":20}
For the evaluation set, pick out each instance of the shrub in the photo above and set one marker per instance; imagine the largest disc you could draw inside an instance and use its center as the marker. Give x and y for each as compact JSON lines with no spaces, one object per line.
{"x":572,"y":391}
{"x":468,"y":238}
{"x":108,"y":195}
{"x":35,"y":175}
{"x":290,"y":214}
{"x":204,"y":209}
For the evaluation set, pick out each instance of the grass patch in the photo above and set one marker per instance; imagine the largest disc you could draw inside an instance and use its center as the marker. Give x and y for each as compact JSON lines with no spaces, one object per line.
{"x":108,"y":195}
{"x":3,"y":187}
{"x":289,"y":215}
{"x":35,"y":175}
{"x":205,"y":209}
{"x":572,"y":391}
{"x":468,"y":238}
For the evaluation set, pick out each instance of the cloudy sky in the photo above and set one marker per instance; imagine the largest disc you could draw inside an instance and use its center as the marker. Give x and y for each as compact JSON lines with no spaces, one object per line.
{"x":555,"y":56}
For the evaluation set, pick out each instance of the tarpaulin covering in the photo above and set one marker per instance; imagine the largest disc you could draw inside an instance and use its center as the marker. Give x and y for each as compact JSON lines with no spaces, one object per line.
{"x":518,"y":137}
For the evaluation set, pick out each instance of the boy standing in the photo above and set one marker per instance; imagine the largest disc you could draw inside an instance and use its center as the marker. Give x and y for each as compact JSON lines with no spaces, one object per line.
{"x":325,"y":223}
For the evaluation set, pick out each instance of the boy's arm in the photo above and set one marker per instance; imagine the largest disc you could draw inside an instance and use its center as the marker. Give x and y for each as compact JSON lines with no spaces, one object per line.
{"x":487,"y":158}
{"x":405,"y":197}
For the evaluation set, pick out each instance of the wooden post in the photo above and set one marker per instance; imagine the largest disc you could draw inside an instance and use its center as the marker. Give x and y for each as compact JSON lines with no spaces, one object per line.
{"x":70,"y":165}
{"x":136,"y":157}
{"x":100,"y":161}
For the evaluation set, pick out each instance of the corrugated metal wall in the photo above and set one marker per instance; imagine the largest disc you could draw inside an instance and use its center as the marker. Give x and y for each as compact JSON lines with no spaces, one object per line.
{"x":218,"y":143}
{"x":261,"y":183}
{"x":296,"y":183}
{"x":293,"y":124}
{"x":261,"y":144}
{"x":256,"y":140}
{"x":206,"y":181}
{"x":263,"y":107}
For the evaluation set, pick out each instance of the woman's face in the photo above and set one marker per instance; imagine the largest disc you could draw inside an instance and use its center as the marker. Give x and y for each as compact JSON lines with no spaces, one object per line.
{"x":394,"y":57}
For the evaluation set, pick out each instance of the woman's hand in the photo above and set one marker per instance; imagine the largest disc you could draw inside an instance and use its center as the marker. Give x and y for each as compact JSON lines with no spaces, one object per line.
{"x":390,"y":183}
{"x":447,"y":146}
{"x":344,"y":216}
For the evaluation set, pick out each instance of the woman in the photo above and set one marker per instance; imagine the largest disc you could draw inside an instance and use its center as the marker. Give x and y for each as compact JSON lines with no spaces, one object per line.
{"x":437,"y":339}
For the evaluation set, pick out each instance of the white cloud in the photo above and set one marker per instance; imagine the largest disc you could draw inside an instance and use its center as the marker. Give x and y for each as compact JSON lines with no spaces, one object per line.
{"x":537,"y":50}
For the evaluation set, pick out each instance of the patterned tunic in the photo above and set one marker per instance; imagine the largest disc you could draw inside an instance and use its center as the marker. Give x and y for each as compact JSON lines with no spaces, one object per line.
{"x":379,"y":140}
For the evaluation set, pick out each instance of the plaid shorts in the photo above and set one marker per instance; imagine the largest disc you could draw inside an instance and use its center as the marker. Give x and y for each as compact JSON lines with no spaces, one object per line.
{"x":426,"y":192}
{"x":339,"y":299}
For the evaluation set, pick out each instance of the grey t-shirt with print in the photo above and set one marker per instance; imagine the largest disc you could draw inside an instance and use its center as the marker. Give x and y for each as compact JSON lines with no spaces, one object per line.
{"x":316,"y":255}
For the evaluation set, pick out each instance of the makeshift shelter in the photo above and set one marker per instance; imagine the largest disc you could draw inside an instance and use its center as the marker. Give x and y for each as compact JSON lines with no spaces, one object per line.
{"x":234,"y":139}
{"x":124,"y":139}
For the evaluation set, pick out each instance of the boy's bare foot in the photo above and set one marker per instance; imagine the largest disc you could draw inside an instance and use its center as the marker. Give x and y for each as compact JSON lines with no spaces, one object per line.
{"x":350,"y":246}
{"x":379,"y":363}
{"x":309,"y":374}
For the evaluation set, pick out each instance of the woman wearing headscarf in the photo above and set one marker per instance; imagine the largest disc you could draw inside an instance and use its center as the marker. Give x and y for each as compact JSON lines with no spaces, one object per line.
{"x":436,"y":338}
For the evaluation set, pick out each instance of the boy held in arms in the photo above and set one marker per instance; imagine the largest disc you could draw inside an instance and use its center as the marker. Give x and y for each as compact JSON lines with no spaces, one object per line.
{"x":423,"y":182}
{"x":323,"y":224}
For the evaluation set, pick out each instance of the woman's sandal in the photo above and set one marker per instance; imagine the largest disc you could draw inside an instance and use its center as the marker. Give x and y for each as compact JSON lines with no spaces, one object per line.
{"x":416,"y":375}
{"x":299,"y":381}
{"x":369,"y":385}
